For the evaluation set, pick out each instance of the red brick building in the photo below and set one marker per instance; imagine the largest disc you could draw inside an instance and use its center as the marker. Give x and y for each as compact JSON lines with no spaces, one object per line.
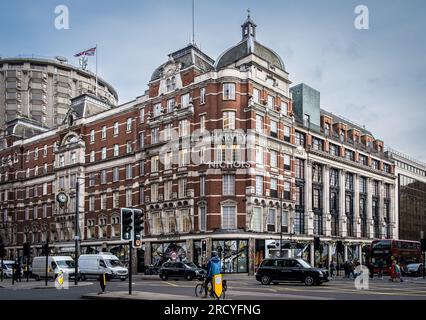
{"x":208,"y":151}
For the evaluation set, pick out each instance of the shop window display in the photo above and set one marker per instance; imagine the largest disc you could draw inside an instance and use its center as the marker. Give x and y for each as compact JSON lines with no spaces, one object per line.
{"x":233,"y":255}
{"x":168,"y":251}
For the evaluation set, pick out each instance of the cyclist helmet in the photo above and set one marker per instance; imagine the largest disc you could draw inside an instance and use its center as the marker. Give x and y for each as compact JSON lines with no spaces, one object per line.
{"x":214,"y":253}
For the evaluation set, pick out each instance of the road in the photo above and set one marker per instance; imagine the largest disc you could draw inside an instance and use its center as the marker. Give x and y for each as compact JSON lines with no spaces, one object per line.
{"x":239,"y":287}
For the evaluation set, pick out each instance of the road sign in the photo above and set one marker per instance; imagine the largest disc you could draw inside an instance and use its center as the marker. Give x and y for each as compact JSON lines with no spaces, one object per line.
{"x":173,"y":256}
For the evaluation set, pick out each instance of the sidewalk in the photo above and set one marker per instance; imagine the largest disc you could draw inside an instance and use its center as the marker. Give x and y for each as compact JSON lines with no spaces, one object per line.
{"x":136,"y":295}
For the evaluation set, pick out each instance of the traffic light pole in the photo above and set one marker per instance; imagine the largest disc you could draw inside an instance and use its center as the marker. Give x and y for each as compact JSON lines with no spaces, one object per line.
{"x":77,"y":194}
{"x":47,"y":262}
{"x":130,"y":266}
{"x":2,"y":268}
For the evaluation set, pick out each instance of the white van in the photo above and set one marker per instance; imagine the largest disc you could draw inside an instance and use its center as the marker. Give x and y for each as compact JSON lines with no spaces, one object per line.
{"x":7,"y":268}
{"x":93,"y":265}
{"x":56,"y":265}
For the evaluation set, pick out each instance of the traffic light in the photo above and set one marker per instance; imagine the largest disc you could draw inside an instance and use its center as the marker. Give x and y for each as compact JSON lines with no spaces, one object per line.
{"x":27,"y":249}
{"x":203,"y":247}
{"x":317,"y":243}
{"x":45,"y":249}
{"x":423,"y":244}
{"x":126,"y":224}
{"x":138,"y":218}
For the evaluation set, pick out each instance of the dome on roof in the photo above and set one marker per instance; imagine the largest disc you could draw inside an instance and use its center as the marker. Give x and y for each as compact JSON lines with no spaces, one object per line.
{"x":247,"y":46}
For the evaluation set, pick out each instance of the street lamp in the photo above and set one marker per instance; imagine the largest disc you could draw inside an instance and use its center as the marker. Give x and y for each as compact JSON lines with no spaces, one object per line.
{"x":77,"y":226}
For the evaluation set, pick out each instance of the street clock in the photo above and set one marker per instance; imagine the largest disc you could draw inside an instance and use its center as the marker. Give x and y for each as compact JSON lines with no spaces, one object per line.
{"x":62,"y":198}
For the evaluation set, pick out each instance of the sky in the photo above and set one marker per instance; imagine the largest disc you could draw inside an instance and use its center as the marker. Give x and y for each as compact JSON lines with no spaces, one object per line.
{"x":375,"y":77}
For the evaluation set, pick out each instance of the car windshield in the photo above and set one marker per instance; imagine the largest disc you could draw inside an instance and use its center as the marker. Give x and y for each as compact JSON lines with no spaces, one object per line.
{"x":304,"y":263}
{"x":113,"y":262}
{"x":8,"y":265}
{"x":413,"y":265}
{"x":65,"y":263}
{"x":190,"y":264}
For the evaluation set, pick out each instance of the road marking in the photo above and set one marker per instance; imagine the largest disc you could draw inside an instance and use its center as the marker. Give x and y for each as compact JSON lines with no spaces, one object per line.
{"x":172,"y":284}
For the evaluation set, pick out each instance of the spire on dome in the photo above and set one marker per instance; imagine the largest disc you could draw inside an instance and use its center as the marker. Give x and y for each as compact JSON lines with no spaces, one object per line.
{"x":248,"y":27}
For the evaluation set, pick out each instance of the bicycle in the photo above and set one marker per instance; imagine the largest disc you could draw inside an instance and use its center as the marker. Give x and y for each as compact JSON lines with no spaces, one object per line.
{"x":200,"y":289}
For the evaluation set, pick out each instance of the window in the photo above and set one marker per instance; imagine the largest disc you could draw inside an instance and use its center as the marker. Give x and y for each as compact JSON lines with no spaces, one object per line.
{"x":103,"y":201}
{"x":316,"y":199}
{"x":61,"y":160}
{"x":183,"y":128}
{"x":317,"y":144}
{"x":317,"y":173}
{"x":284,"y":108}
{"x":182,"y":187}
{"x":141,"y":195}
{"x":44,"y":188}
{"x":259,"y":155}
{"x":129,"y":147}
{"x":271,"y":219}
{"x":103,"y":132}
{"x":256,"y":219}
{"x":274,"y":129}
{"x":92,"y":156}
{"x":184,"y":100}
{"x":202,"y":122}
{"x":349,"y":155}
{"x":116,"y":150}
{"x":229,"y":91}
{"x":375,"y":164}
{"x":287,"y":163}
{"x":363,"y":184}
{"x":229,"y":120}
{"x":157,"y":109}
{"x":287,"y":189}
{"x":273,"y":188}
{"x":334,"y":150}
{"x":91,"y":203}
{"x":271,"y":102}
{"x":36,"y":153}
{"x":129,"y":197}
{"x":259,"y":123}
{"x":45,"y":168}
{"x":203,"y":218}
{"x":170,"y":105}
{"x":228,"y":185}
{"x":154,"y":164}
{"x":306,"y":120}
{"x":44,"y":210}
{"x":363,"y":159}
{"x":104,"y":153}
{"x":115,"y":199}
{"x":168,"y":188}
{"x":73,"y":181}
{"x":115,"y":174}
{"x":274,"y":158}
{"x":154,"y":192}
{"x":342,"y":135}
{"x":334,"y":177}
{"x":154,"y":135}
{"x":92,"y":136}
{"x":141,"y":168}
{"x":129,"y":173}
{"x":286,"y":134}
{"x":300,"y":139}
{"x":129,"y":124}
{"x":142,"y":115}
{"x":73,"y":158}
{"x":168,"y":160}
{"x":259,"y":185}
{"x":44,"y":150}
{"x":61,"y":185}
{"x":116,"y":128}
{"x":256,"y":95}
{"x":349,"y":181}
{"x":183,"y":157}
{"x":202,"y":95}
{"x":229,"y":217}
{"x":103,"y":176}
{"x":202,"y":186}
{"x":326,"y":129}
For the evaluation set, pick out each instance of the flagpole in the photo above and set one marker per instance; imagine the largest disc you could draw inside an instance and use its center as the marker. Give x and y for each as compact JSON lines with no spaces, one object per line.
{"x":96,"y":88}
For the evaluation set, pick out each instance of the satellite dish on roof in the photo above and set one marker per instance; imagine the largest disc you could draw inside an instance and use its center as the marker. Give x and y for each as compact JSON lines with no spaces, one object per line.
{"x":61,"y":59}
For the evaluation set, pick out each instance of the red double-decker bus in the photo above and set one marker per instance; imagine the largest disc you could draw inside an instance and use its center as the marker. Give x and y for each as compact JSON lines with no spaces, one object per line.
{"x":403,"y":251}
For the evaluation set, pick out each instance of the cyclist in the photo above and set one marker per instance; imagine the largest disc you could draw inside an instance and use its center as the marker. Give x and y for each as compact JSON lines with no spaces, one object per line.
{"x":213,"y":268}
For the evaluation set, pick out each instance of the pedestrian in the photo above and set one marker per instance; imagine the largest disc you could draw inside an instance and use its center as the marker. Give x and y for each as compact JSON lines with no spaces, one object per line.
{"x":332,"y":268}
{"x":18,"y":272}
{"x":380,"y":265}
{"x":393,"y":271}
{"x":346,"y":268}
{"x":398,"y":272}
{"x":102,"y":282}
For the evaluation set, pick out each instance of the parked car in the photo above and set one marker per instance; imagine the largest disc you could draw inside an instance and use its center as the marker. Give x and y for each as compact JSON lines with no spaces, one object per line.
{"x":289,"y":269}
{"x":7,"y":268}
{"x":413,"y":269}
{"x":93,"y":265}
{"x":55,"y":265}
{"x":186,"y":270}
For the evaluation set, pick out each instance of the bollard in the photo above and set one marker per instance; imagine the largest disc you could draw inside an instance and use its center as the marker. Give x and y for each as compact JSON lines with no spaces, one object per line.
{"x":102,"y":282}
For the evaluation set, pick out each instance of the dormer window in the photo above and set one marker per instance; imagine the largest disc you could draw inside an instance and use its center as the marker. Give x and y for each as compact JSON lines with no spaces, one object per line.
{"x":342,"y":135}
{"x":326,"y":129}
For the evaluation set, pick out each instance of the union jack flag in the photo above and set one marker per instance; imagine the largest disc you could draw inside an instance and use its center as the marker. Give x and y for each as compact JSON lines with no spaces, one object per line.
{"x":90,"y":52}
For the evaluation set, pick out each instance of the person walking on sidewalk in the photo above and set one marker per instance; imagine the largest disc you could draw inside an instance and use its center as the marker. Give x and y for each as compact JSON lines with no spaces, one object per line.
{"x":332,"y":268}
{"x":380,"y":265}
